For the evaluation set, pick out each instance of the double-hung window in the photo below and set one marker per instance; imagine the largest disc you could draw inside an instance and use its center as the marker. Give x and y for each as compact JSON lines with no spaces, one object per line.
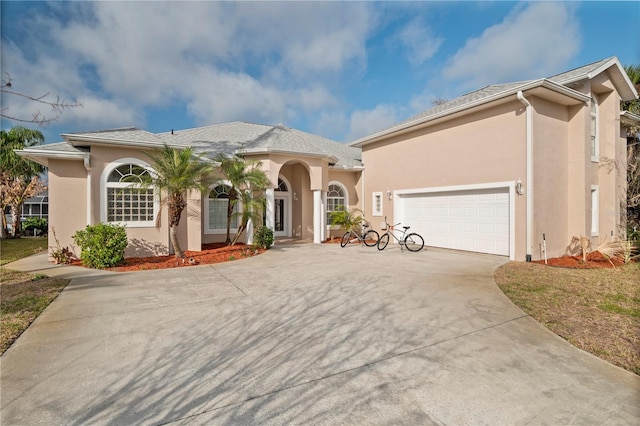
{"x":218,"y":203}
{"x":336,"y":200}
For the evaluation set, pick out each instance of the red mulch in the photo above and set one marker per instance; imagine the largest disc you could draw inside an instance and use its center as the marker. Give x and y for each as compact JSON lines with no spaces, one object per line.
{"x":595,"y":259}
{"x":211,"y":253}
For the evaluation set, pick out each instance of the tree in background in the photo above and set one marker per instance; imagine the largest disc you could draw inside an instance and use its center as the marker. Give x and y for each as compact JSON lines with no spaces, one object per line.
{"x":57,"y":106}
{"x":19,"y":178}
{"x":247,"y":183}
{"x":175,"y":172}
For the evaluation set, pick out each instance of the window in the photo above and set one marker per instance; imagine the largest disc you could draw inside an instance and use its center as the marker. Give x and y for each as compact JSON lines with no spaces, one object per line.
{"x":218,"y":203}
{"x":377,"y":204}
{"x":127,"y":203}
{"x":595,"y":211}
{"x":336,"y":199}
{"x":595,"y":151}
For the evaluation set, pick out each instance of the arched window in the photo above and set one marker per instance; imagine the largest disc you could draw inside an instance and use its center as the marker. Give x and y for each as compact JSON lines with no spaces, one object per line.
{"x":125,"y":202}
{"x":282,"y":185}
{"x":336,"y":199}
{"x":218,"y":202}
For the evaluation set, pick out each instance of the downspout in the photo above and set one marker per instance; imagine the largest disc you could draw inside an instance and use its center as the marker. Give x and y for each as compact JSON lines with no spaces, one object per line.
{"x":529,"y":190}
{"x":87,"y":165}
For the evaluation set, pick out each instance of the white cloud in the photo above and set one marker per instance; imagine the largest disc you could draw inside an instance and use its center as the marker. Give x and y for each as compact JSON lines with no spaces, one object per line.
{"x":529,"y":43}
{"x":420,"y":42}
{"x":239,"y":60}
{"x":366,"y":122}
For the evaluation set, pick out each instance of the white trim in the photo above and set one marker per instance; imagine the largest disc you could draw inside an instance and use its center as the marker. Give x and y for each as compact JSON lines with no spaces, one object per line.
{"x":594,"y":115}
{"x":326,"y":197}
{"x":510,"y":185}
{"x":103,"y":192}
{"x":595,"y":210}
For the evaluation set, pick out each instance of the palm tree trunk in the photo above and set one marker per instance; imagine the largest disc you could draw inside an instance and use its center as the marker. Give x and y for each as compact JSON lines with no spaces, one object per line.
{"x":176,"y":205}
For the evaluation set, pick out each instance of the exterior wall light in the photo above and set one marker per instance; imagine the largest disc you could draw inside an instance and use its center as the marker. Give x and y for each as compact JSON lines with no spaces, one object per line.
{"x":389,"y":195}
{"x":519,"y":189}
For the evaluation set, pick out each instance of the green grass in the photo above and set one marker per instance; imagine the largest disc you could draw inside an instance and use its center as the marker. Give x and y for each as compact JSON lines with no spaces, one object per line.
{"x":23,"y":296}
{"x":596,"y":310}
{"x":12,"y":249}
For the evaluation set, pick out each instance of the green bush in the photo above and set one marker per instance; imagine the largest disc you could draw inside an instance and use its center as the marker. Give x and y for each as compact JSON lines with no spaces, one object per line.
{"x":263,"y":237}
{"x":102,"y":246}
{"x":36,"y":223}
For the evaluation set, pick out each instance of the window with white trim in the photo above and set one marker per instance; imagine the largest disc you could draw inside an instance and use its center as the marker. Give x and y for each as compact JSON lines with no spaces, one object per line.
{"x":595,"y":211}
{"x":595,"y":150}
{"x":217,"y":205}
{"x":377,"y":204}
{"x":336,"y":199}
{"x":126,"y":203}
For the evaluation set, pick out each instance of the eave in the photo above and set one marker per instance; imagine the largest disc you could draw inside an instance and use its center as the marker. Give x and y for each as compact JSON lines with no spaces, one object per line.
{"x":42,"y":156}
{"x":541,"y":88}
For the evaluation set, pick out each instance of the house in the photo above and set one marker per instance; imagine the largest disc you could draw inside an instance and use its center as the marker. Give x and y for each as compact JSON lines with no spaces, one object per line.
{"x":36,"y":206}
{"x":511,"y":168}
{"x":507,"y":170}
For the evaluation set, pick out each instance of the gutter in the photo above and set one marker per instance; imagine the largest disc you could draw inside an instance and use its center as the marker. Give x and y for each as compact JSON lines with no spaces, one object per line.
{"x":529,"y":160}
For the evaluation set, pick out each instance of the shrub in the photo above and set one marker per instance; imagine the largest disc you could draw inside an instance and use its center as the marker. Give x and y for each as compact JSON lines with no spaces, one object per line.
{"x":102,"y":246}
{"x":263,"y":237}
{"x":34,"y":223}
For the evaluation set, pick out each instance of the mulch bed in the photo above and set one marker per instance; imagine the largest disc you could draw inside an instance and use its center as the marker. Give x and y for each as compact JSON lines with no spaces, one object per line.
{"x":595,"y":259}
{"x":211,"y":253}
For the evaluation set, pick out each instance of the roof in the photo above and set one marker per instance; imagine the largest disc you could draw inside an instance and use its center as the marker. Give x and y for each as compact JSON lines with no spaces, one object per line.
{"x":559,"y":83}
{"x":209,"y":141}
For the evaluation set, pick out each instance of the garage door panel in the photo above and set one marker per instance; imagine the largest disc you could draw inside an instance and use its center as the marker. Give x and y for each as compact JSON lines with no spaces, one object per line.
{"x":462,"y":220}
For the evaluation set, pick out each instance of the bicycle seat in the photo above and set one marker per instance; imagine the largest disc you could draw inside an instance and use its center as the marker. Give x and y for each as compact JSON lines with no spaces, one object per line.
{"x":406,"y":227}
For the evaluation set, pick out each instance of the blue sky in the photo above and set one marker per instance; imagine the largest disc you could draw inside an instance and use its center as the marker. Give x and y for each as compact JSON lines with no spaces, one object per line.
{"x":338,"y":69}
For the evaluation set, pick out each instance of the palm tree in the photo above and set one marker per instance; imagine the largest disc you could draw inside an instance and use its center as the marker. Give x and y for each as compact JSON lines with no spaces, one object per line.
{"x":16,"y":172}
{"x":175,"y":173}
{"x":247,"y":182}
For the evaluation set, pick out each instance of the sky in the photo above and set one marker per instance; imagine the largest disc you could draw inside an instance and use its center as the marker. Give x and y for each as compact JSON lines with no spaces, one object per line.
{"x":341,"y":70}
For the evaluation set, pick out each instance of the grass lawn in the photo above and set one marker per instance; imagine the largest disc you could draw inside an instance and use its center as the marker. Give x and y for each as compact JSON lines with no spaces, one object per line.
{"x":23,"y":296}
{"x":597,"y":310}
{"x":12,"y":249}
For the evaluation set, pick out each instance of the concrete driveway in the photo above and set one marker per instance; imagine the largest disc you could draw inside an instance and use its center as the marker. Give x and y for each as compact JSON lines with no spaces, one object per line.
{"x":304,"y":334}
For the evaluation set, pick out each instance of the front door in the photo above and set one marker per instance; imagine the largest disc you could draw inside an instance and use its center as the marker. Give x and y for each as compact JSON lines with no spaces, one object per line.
{"x":282,"y":216}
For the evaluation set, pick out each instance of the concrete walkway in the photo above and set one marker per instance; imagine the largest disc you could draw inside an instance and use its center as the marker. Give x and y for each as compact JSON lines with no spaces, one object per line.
{"x":304,"y":334}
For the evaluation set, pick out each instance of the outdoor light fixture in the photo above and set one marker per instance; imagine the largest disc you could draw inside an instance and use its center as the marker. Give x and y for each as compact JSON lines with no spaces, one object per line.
{"x":519,"y":189}
{"x":295,"y":197}
{"x":389,"y":195}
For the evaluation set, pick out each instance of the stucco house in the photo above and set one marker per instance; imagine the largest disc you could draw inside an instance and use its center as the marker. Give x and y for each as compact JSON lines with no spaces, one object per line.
{"x":495,"y":171}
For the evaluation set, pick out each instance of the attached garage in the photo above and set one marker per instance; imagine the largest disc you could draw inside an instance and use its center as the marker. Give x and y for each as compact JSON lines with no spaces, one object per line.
{"x":474,"y":218}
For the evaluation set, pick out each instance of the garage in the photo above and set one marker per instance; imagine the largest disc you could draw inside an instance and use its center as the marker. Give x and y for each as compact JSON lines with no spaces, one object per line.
{"x":473,"y":220}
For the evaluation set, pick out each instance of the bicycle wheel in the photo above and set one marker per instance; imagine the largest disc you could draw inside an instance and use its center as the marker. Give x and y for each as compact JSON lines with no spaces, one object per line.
{"x":414,"y":242}
{"x":371,"y":238}
{"x":383,"y":241}
{"x":345,"y":239}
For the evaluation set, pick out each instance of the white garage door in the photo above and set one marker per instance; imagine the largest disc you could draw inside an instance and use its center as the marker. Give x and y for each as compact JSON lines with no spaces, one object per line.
{"x":475,"y":220}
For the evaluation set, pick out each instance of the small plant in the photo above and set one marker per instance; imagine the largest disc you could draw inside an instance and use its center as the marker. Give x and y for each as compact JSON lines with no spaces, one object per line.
{"x":61,"y":254}
{"x":263,"y":237}
{"x":349,"y":220}
{"x":232,"y":257}
{"x":102,"y":246}
{"x":39,"y":277}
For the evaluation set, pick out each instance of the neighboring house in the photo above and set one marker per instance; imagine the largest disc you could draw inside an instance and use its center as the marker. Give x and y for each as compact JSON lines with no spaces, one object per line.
{"x":37,"y":206}
{"x":494,"y":171}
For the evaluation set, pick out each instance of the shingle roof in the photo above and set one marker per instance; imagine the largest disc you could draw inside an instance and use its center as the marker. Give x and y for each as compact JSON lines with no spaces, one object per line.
{"x":228,"y":138}
{"x":488,"y":93}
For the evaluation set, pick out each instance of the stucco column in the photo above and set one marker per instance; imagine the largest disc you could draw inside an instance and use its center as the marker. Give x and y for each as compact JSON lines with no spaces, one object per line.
{"x":324,"y":216}
{"x":249,"y":232}
{"x":318,"y":216}
{"x":271,"y":208}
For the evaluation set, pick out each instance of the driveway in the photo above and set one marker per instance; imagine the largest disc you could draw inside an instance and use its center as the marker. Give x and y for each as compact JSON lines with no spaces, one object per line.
{"x":304,"y":334}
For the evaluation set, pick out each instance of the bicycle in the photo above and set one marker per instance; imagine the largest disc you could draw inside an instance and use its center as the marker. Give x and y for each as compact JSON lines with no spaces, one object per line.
{"x":413,"y":241}
{"x":368,"y":238}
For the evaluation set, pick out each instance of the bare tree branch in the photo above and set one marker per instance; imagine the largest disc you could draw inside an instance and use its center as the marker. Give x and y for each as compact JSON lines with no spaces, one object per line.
{"x":57,"y":106}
